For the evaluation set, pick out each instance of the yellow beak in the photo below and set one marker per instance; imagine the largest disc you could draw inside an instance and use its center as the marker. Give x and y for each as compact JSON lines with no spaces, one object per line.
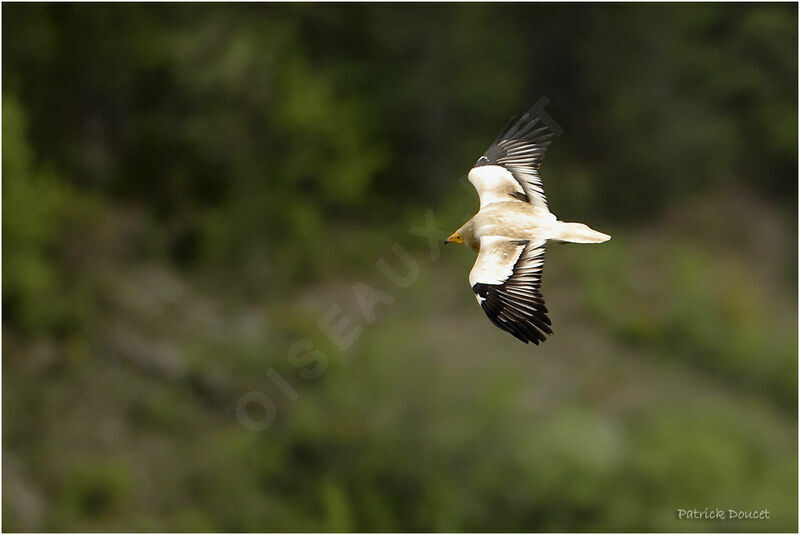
{"x":454,"y":238}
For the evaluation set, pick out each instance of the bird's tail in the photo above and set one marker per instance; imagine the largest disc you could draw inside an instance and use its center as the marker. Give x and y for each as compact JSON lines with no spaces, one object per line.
{"x":578,"y":233}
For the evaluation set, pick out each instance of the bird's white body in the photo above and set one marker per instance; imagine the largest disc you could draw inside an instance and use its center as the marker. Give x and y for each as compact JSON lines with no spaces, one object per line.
{"x":511,"y":220}
{"x":503,"y":216}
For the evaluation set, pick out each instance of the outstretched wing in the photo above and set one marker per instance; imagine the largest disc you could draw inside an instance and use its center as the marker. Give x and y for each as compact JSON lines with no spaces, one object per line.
{"x":506,"y":279}
{"x":509,"y":169}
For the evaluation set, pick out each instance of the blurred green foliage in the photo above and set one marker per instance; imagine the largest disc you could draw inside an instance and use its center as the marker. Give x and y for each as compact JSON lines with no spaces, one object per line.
{"x":187,"y":189}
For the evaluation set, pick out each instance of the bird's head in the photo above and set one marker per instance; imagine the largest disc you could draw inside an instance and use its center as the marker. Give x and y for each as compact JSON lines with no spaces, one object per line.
{"x":455,"y":237}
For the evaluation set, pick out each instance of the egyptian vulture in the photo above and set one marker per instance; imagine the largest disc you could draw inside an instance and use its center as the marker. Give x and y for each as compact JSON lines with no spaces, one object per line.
{"x":511,"y":229}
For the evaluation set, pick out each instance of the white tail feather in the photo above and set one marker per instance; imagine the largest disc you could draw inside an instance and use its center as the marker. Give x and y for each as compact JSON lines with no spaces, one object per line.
{"x":578,"y":233}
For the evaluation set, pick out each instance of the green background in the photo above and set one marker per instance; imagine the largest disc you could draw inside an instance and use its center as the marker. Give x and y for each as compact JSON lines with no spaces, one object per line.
{"x":188,"y":189}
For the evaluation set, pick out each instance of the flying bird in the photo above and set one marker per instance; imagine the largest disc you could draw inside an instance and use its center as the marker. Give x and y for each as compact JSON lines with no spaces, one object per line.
{"x":511,"y":228}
